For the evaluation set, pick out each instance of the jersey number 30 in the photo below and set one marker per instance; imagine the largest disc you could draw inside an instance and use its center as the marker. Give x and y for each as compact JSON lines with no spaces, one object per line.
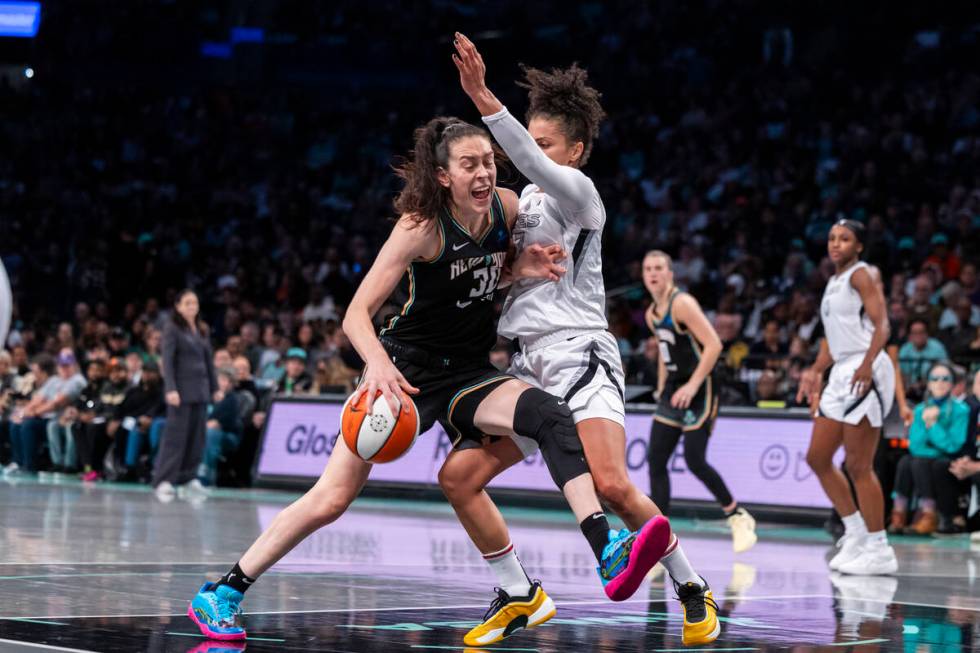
{"x":486,"y":280}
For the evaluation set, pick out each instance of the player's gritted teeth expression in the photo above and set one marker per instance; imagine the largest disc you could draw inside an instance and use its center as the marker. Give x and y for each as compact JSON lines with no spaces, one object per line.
{"x":548,"y":134}
{"x":471,"y":175}
{"x":657,"y":274}
{"x":842,"y":245}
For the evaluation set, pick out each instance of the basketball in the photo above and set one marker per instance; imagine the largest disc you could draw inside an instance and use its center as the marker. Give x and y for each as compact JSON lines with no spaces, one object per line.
{"x":379,"y":437}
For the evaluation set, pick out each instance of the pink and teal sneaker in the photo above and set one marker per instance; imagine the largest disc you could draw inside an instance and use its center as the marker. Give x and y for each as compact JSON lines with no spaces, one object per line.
{"x":630,"y":555}
{"x":216,"y":609}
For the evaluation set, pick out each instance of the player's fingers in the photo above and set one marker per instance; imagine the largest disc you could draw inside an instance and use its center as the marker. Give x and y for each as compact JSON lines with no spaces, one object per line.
{"x":406,"y":386}
{"x":390,"y":397}
{"x":371,"y":390}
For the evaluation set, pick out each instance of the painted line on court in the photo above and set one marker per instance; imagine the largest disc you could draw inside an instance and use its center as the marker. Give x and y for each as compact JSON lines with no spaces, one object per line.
{"x":858,"y":643}
{"x":916,"y":604}
{"x":38,"y":621}
{"x":607,"y":602}
{"x":200,"y":636}
{"x":685,"y":650}
{"x":46,"y":647}
{"x":471,"y":648}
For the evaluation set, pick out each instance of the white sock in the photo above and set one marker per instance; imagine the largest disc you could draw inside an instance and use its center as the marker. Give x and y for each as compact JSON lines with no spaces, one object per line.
{"x":510,"y":573}
{"x":677,"y":564}
{"x":877,"y":540}
{"x":854,"y":524}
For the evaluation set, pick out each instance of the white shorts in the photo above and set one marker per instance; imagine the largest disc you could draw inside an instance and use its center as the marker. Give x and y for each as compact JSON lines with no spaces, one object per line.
{"x":839,"y":403}
{"x":585,"y":370}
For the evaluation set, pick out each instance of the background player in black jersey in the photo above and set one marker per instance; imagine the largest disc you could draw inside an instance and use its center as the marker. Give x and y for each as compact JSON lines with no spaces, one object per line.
{"x":448,"y":250}
{"x":687,"y":401}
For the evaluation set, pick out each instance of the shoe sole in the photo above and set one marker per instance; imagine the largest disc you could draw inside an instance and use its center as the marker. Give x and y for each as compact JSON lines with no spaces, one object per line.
{"x":705,"y":640}
{"x":210,"y":634}
{"x":751,"y":539}
{"x":541,"y":615}
{"x":648,"y":549}
{"x":890,"y":571}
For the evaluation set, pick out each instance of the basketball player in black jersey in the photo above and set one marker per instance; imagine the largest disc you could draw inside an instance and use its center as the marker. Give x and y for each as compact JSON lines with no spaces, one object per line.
{"x":687,"y":401}
{"x":448,"y":250}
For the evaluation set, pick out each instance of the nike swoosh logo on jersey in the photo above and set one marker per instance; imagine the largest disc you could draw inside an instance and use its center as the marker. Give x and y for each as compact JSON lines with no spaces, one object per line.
{"x":463,"y":304}
{"x":456,"y":249}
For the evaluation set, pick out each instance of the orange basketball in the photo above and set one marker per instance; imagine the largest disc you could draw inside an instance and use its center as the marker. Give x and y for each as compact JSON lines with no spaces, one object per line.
{"x":379,"y":437}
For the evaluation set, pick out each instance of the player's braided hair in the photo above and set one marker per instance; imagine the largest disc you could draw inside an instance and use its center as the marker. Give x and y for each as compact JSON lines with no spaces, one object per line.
{"x":564,"y":94}
{"x":423,"y":196}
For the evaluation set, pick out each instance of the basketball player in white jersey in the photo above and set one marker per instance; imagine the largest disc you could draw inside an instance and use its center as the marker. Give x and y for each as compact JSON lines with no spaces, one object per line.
{"x":564,"y":347}
{"x":853,"y":405}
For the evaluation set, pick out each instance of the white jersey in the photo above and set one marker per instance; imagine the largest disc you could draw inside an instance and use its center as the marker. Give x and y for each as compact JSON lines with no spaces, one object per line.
{"x":846,"y":325}
{"x":561,"y":206}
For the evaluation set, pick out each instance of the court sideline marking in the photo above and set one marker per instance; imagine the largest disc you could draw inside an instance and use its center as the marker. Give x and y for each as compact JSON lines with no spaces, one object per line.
{"x":775,"y":597}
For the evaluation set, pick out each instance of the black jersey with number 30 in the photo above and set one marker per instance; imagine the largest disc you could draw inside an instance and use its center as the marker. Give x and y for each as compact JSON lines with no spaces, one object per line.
{"x":447,"y":301}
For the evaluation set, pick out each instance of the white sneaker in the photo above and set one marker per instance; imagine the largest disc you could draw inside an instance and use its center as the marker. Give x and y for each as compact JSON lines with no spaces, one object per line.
{"x":743,"y":530}
{"x":165,"y":492}
{"x":872,"y":561}
{"x":193,"y":488}
{"x":11,"y":468}
{"x":849,"y":547}
{"x":975,"y":536}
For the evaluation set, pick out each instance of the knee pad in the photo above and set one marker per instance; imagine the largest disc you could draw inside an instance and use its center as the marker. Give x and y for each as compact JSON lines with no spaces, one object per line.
{"x":548,"y":421}
{"x":543,"y":417}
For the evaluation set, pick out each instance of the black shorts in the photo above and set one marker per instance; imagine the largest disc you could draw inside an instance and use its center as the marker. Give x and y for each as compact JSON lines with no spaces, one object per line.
{"x":700,"y":414}
{"x":450,"y":390}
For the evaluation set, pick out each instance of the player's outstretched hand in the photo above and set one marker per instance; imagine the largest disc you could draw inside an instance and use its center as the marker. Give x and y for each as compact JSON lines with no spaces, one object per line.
{"x":540,"y":262}
{"x":383,"y":376}
{"x":472,"y":70}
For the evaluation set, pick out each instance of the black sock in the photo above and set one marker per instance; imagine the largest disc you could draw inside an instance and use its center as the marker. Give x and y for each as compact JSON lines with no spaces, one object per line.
{"x":729,"y":513}
{"x":595,"y":527}
{"x":236,"y":579}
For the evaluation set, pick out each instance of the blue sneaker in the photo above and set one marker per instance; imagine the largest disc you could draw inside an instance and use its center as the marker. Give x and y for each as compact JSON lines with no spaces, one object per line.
{"x":630,"y":555}
{"x":615,"y":555}
{"x":217,"y":612}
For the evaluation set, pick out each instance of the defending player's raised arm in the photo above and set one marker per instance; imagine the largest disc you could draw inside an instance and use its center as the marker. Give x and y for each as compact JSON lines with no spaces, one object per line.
{"x":568,"y":185}
{"x":408,"y":241}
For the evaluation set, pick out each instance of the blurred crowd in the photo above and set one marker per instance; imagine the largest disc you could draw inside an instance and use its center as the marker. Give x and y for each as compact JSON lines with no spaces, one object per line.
{"x":738,"y":133}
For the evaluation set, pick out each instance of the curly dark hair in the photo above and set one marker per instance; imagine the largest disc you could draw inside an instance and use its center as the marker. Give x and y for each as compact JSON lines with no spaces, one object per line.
{"x":565,"y":95}
{"x":423,"y":196}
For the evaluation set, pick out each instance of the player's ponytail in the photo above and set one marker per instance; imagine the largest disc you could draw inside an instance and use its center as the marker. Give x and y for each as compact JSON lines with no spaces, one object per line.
{"x":423,"y":196}
{"x":565,"y":95}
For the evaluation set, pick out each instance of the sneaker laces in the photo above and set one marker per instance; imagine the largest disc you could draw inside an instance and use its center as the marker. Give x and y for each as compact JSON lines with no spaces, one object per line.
{"x":503,"y":598}
{"x":695,"y":602}
{"x":226,"y":610}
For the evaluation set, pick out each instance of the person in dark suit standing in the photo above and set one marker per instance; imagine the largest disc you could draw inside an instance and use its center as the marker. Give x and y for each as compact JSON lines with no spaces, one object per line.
{"x":189,"y":383}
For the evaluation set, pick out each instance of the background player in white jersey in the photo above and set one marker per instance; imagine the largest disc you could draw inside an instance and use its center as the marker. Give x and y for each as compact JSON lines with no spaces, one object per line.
{"x":565,"y":348}
{"x":853,"y":406}
{"x":687,"y":401}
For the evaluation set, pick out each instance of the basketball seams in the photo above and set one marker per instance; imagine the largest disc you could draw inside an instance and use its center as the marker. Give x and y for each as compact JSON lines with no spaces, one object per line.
{"x":363,"y":439}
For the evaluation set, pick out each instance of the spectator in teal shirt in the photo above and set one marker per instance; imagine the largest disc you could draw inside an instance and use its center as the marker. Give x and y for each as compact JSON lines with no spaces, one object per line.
{"x":918,"y":354}
{"x":937,"y":435}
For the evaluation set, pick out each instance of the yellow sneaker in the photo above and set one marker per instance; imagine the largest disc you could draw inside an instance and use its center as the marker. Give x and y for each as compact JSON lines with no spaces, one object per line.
{"x":701,"y":625}
{"x":509,"y":614}
{"x":743,"y":530}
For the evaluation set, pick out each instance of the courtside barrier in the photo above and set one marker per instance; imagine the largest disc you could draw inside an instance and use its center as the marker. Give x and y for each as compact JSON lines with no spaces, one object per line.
{"x":761,"y":453}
